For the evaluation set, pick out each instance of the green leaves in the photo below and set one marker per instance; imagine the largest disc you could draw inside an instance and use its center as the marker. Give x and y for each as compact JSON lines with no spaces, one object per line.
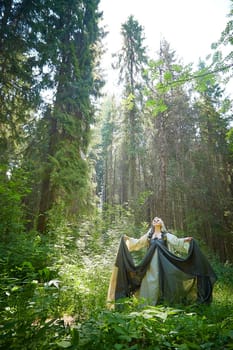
{"x":129,"y":102}
{"x":153,"y":327}
{"x":156,"y":106}
{"x":229,"y":137}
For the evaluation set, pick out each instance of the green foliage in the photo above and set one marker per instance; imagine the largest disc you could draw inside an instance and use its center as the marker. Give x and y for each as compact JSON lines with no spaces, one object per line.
{"x":49,"y":47}
{"x":66,"y":175}
{"x":156,"y":328}
{"x":222,"y":59}
{"x":53,"y":296}
{"x":19,"y":93}
{"x":13,"y":188}
{"x":132,"y":57}
{"x":70,"y":176}
{"x":156,"y":106}
{"x":230,"y":140}
{"x":129,"y":102}
{"x":25,"y":268}
{"x":43,"y":279}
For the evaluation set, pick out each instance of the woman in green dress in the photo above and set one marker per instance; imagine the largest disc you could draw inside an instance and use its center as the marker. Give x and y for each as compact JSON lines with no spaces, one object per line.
{"x":173,"y":269}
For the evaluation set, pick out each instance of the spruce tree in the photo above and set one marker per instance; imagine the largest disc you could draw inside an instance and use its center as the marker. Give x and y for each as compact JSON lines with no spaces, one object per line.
{"x":131,"y":62}
{"x":65,"y":175}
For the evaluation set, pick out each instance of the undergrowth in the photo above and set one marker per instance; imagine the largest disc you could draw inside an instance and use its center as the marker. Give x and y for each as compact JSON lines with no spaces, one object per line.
{"x":53,"y":296}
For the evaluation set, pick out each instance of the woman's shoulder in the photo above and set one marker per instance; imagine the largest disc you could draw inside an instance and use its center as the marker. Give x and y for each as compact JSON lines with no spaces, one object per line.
{"x":169,"y":235}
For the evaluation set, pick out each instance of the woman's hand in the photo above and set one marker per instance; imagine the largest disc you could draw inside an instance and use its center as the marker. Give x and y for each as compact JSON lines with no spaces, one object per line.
{"x":188,"y":239}
{"x":126,"y":238}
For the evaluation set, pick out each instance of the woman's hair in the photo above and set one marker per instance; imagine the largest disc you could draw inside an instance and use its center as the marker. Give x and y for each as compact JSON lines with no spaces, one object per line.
{"x":163,"y":228}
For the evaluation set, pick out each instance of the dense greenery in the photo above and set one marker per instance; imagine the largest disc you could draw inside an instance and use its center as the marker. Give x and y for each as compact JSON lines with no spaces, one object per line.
{"x":49,"y":82}
{"x":53,"y":296}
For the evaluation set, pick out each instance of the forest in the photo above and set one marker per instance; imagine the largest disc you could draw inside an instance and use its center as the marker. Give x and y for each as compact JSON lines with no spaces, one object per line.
{"x":79,"y":168}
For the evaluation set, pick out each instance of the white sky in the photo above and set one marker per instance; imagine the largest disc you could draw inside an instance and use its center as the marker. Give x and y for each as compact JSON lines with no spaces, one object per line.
{"x":190,"y":26}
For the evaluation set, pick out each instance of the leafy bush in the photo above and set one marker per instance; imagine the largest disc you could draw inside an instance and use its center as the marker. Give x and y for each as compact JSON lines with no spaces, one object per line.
{"x":153,"y":328}
{"x":12,"y":190}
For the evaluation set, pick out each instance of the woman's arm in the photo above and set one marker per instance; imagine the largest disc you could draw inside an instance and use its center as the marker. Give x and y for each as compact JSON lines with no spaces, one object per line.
{"x":179,"y":244}
{"x":134,"y":244}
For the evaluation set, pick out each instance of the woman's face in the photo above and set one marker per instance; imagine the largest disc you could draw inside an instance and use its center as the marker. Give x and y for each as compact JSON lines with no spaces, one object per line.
{"x":157,"y":222}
